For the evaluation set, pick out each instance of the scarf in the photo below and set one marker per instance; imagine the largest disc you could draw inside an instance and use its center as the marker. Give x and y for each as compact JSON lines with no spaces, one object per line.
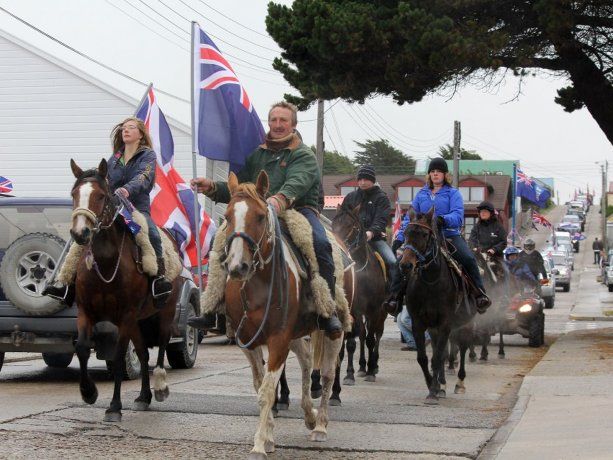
{"x":279,"y":144}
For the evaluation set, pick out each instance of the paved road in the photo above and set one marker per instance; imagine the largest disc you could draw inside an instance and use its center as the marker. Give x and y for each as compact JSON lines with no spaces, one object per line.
{"x":212,"y":409}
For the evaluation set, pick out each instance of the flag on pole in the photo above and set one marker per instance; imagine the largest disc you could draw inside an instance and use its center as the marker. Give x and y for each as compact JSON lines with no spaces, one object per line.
{"x":529,"y":189}
{"x":172,"y":200}
{"x":6,"y":185}
{"x":226,"y":125}
{"x":397,"y":219}
{"x":540,"y":220}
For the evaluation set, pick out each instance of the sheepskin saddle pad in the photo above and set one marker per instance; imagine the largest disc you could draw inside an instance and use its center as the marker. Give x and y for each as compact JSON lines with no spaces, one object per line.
{"x":212,"y":299}
{"x":172,"y":261}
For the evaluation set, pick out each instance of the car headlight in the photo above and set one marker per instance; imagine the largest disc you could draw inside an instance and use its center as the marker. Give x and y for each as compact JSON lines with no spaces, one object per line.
{"x":525,"y":308}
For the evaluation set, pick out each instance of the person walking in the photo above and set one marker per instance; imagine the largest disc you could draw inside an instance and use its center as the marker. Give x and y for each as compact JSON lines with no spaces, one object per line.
{"x":597,"y":247}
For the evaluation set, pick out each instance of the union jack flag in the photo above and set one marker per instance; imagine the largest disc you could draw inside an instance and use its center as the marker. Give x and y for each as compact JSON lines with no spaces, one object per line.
{"x":397,"y":219}
{"x":523,"y":178}
{"x":172,"y":200}
{"x":6,"y":185}
{"x":540,"y":220}
{"x":226,"y":125}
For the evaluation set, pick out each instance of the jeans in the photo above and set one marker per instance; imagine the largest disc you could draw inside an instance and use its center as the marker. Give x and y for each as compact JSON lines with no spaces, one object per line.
{"x":323,"y":248}
{"x":154,"y":237}
{"x":596,"y":256}
{"x":405,"y":326}
{"x":467,"y":259}
{"x":390,"y":261}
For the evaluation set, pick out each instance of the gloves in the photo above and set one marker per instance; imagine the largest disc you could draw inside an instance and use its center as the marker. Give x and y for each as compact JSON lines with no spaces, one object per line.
{"x":440,"y":222}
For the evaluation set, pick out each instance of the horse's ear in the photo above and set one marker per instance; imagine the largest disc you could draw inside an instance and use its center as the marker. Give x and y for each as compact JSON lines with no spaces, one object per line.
{"x":232,"y":183}
{"x":261,"y":184}
{"x":430,"y":214}
{"x":75,"y":169}
{"x":103,"y":168}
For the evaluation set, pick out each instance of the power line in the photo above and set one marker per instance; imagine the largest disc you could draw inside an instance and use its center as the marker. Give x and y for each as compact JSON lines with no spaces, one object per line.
{"x":234,"y":21}
{"x":338,"y":131}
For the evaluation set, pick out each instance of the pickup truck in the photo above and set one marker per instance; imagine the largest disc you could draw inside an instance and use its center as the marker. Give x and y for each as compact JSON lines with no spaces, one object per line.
{"x":33,"y":232}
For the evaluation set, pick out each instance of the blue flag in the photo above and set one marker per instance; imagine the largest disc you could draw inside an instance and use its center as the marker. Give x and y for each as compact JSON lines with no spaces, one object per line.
{"x":227,"y":127}
{"x":527,"y":188}
{"x":127,"y":217}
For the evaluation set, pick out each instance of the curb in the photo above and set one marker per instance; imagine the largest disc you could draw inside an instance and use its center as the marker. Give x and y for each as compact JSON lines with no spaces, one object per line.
{"x":603,"y":317}
{"x":501,"y":436}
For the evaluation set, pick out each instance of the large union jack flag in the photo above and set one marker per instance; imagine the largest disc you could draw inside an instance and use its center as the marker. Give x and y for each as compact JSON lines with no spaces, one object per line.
{"x":226,"y":125}
{"x":6,"y":185}
{"x":540,"y":220}
{"x":172,"y":200}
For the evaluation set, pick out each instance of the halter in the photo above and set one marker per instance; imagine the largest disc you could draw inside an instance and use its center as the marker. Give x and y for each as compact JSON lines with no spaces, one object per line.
{"x":353,"y":245}
{"x":433,"y":249}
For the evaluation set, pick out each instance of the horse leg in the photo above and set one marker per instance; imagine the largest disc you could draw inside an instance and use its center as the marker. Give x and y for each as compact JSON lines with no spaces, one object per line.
{"x":328,"y":367}
{"x":452,"y":357}
{"x":362,"y":361}
{"x":370,"y":344}
{"x":351,"y":346}
{"x":420,"y":342}
{"x":113,"y":413}
{"x":315,"y":384}
{"x":484,"y":351}
{"x":438,"y":357}
{"x":501,"y":347}
{"x":263,"y":440}
{"x":459,"y":386}
{"x":256,"y":360}
{"x":89,"y":392}
{"x":143,"y":400}
{"x":303,"y":353}
{"x":283,"y":401}
{"x":335,"y":399}
{"x":472,"y":355}
{"x":160,"y":387}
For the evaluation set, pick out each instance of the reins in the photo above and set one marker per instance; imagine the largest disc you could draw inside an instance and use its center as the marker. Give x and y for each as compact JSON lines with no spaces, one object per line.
{"x":433,"y":249}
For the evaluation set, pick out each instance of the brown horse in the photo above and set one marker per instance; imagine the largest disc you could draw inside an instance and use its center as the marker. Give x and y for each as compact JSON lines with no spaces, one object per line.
{"x":114,"y":290}
{"x":265,"y":300}
{"x":367,"y":308}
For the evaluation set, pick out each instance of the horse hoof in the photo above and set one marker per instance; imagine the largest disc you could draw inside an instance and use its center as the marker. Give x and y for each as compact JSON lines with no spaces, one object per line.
{"x":361,"y":373}
{"x":112,"y":417}
{"x":459,"y":390}
{"x":370,"y":378}
{"x":319,"y":436}
{"x":140,"y":406}
{"x":501,"y":356}
{"x":257,"y":456}
{"x":334,"y":402}
{"x":349,"y":381}
{"x":90,"y":398}
{"x":483,"y":358}
{"x":472,"y":359}
{"x":275,"y":412}
{"x":431,"y":400}
{"x":269,"y":447}
{"x":161,"y":395}
{"x":441,"y":394}
{"x":376,"y":370}
{"x":450,"y":371}
{"x":315,"y":394}
{"x":282,"y":406}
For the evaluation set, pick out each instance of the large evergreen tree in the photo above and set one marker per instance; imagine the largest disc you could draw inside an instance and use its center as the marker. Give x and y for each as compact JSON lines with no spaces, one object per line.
{"x":446,"y":151}
{"x":353,"y":49}
{"x":384,"y":157}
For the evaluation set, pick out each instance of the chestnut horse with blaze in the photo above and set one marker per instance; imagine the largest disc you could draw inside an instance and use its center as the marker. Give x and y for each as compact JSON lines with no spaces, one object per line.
{"x":265,"y":302}
{"x":115,"y":289}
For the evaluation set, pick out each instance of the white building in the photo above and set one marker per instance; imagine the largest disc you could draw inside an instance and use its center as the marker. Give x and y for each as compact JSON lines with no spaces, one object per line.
{"x":51,"y":111}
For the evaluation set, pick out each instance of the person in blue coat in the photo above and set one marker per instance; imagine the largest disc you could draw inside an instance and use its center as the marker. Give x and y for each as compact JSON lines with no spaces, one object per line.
{"x":449,"y":211}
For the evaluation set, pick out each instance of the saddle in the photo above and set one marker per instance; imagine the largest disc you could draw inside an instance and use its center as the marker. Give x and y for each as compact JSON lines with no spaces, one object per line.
{"x":463,"y":283}
{"x":382,"y":263}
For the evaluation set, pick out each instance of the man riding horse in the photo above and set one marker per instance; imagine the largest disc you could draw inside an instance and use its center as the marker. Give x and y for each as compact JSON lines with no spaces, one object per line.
{"x":488,"y":235}
{"x":374,"y":211}
{"x":294,"y":183}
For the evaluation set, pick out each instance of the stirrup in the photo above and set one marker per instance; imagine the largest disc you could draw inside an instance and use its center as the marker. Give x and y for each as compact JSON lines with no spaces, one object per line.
{"x":160,"y":287}
{"x":59,"y":293}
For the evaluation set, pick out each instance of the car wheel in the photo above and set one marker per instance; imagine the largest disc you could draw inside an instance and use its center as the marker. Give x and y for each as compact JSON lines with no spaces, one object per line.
{"x":183,"y":355}
{"x":1,"y":359}
{"x":132,"y":364}
{"x":59,"y":360}
{"x":548,"y":302}
{"x":26,"y":267}
{"x":535,"y":339}
{"x":566,"y":288}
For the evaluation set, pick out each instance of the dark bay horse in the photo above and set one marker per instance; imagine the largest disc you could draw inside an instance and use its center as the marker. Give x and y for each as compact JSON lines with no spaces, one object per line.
{"x":115,"y":290}
{"x":267,"y":304}
{"x":435,"y":301}
{"x":367,"y":309}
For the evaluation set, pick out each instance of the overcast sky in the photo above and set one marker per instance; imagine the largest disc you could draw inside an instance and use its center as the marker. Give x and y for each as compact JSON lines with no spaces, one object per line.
{"x":149,"y":41}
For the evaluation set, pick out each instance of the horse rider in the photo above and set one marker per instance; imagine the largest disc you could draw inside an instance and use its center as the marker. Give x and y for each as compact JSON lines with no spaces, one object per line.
{"x":294,"y":183}
{"x":375,"y":209}
{"x":534,"y":260}
{"x":488,"y":235}
{"x":517,"y":267}
{"x":131,"y":174}
{"x":449,"y":212}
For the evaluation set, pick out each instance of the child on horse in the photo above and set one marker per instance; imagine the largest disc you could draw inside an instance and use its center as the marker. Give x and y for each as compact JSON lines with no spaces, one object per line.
{"x":294,"y":182}
{"x":131,"y":174}
{"x":449,"y":211}
{"x":488,"y":235}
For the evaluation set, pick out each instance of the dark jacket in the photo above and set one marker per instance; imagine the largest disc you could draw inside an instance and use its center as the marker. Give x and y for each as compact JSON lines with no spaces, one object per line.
{"x":488,"y":234}
{"x":597,"y":245}
{"x":535,"y":262}
{"x":447,"y":203}
{"x":375,"y":209}
{"x":137,"y":177}
{"x":292,"y":171}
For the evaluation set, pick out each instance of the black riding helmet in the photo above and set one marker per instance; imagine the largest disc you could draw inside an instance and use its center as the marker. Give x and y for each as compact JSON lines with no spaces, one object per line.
{"x":529,"y":244}
{"x":487,"y":206}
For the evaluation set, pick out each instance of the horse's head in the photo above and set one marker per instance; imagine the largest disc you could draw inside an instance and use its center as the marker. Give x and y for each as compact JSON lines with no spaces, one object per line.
{"x":420,"y":236}
{"x":347,"y":226}
{"x":250,"y":227}
{"x":91,"y":202}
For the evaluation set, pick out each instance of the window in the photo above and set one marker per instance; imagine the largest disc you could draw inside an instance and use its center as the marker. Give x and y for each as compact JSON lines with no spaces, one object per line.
{"x":469,"y":223}
{"x":472,"y":194}
{"x":346,"y":190}
{"x":407,"y":194}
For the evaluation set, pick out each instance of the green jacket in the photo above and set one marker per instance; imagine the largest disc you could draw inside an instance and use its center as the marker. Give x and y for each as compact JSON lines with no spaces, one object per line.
{"x":292,"y":171}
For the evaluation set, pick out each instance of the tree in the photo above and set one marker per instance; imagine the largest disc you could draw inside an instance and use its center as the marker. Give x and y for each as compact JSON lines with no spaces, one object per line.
{"x":336,"y":163}
{"x":353,"y":49}
{"x":385,"y":158}
{"x":446,"y":151}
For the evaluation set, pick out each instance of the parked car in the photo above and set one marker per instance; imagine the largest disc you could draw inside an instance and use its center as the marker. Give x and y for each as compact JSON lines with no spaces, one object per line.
{"x":33,"y":232}
{"x":563,"y":242}
{"x":561,"y":269}
{"x":572,"y":219}
{"x":548,"y":288}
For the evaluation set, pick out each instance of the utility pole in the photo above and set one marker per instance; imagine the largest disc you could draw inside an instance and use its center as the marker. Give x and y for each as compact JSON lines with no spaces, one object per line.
{"x":320,"y":135}
{"x":457,"y":135}
{"x":603,"y":203}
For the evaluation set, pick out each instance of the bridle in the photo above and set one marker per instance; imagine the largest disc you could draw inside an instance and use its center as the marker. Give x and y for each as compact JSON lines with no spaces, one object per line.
{"x":108,"y":210}
{"x":353,"y":244}
{"x":432,"y":245}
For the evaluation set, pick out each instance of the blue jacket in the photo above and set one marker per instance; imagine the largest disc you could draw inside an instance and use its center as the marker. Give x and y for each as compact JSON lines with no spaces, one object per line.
{"x":399,"y":236}
{"x":137,"y":177}
{"x":520,"y":270}
{"x":447,"y":203}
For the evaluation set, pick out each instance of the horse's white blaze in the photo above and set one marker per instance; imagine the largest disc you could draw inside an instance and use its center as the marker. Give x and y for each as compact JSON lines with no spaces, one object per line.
{"x":85,"y":192}
{"x":235,"y":251}
{"x":291,"y":264}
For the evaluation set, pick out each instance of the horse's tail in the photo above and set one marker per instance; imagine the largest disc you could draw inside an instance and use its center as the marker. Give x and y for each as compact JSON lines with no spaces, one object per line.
{"x":317,"y":342}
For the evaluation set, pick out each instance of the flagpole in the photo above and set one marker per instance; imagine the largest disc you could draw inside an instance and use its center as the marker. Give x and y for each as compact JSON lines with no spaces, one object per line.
{"x":514,"y":198}
{"x":194,"y":164}
{"x":142,"y":99}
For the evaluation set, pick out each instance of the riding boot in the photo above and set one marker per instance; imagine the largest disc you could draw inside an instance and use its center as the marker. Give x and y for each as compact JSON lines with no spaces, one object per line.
{"x":161,"y":287}
{"x":206,"y":322}
{"x":391,"y":303}
{"x":331,"y":325}
{"x":65,"y":294}
{"x":483,"y":301}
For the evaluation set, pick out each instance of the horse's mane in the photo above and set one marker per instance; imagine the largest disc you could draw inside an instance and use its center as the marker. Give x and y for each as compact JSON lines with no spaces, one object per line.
{"x":93,"y":174}
{"x":248,"y":190}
